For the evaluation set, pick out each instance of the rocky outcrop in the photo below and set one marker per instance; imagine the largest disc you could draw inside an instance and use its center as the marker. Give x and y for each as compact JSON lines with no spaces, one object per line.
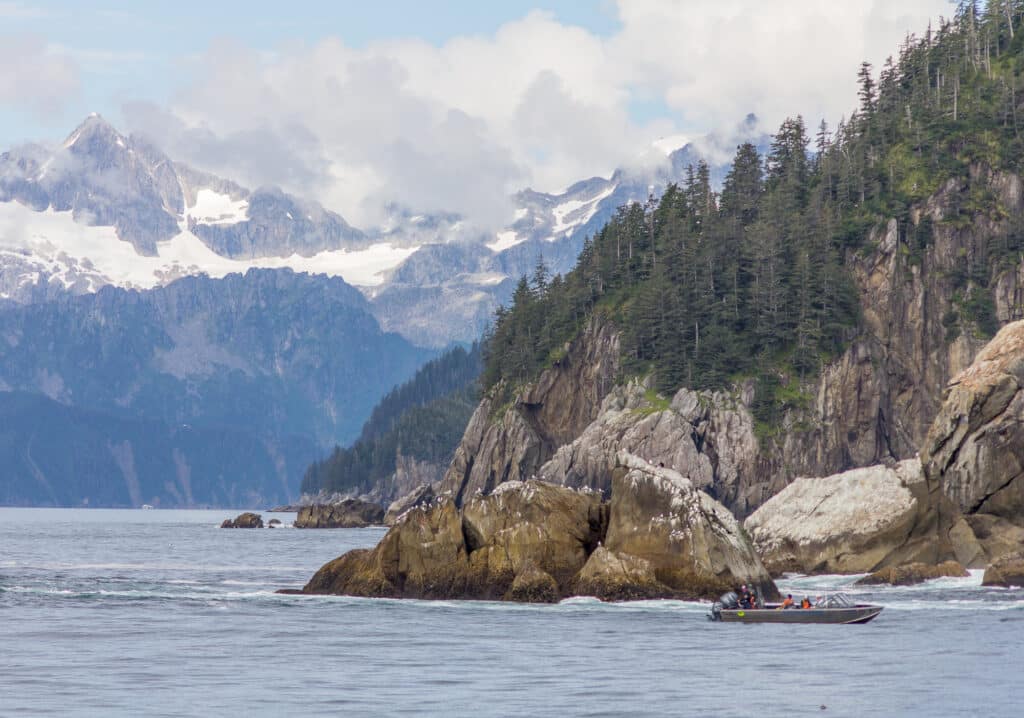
{"x":536,"y":541}
{"x":346,"y":514}
{"x":975,"y":448}
{"x":511,"y":544}
{"x":855,"y":522}
{"x":421,"y":495}
{"x":667,"y":538}
{"x":871,"y":405}
{"x":510,"y":443}
{"x":909,"y":574}
{"x":706,"y":436}
{"x":1005,"y":571}
{"x":410,"y":474}
{"x":877,"y":401}
{"x":247,"y":520}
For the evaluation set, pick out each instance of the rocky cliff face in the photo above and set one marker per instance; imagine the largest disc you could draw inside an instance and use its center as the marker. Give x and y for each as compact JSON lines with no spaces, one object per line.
{"x":877,"y":402}
{"x":511,"y":443}
{"x":707,"y":436}
{"x":667,"y":537}
{"x":975,"y":448}
{"x":872,"y":405}
{"x":345,"y":514}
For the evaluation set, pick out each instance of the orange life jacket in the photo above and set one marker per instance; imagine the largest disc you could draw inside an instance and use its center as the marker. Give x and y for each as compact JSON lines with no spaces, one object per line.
{"x":787,"y":603}
{"x":805,"y":604}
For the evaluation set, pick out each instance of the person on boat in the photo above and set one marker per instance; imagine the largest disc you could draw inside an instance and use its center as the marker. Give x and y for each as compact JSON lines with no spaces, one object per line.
{"x":806,"y":603}
{"x":744,"y":596}
{"x":787,"y":602}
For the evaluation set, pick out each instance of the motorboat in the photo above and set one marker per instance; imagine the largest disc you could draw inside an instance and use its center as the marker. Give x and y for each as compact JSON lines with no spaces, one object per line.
{"x":832,"y":608}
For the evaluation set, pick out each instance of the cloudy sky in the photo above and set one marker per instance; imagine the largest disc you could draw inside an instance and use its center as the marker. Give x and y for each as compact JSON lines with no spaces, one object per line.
{"x":436,"y":105}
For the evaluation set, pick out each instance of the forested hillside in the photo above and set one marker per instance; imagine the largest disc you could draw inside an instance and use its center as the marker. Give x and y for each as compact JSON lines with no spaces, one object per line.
{"x":422,"y":420}
{"x":752,"y":281}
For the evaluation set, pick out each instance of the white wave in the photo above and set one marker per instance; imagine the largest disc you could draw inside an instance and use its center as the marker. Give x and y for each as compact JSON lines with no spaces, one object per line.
{"x":956,"y":605}
{"x":797,"y":583}
{"x":580,"y":601}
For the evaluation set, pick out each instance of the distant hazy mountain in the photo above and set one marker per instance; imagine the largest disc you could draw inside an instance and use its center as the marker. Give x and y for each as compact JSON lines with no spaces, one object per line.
{"x":272,"y":358}
{"x":271,"y":351}
{"x":59,"y":455}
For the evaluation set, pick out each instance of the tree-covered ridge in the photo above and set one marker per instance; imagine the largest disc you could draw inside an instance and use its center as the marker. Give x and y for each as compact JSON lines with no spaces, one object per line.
{"x":455,"y":369}
{"x":753,"y":280}
{"x":422,"y":419}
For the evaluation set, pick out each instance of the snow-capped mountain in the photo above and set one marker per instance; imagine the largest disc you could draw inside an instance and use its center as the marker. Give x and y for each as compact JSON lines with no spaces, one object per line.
{"x":149,"y":313}
{"x":449,"y":292}
{"x":104,"y":209}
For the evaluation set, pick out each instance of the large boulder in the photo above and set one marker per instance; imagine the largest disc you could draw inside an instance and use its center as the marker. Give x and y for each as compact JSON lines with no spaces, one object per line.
{"x":247,"y":520}
{"x":531,"y":523}
{"x":345,"y":514}
{"x":525,"y":541}
{"x":855,"y":522}
{"x":1005,"y":571}
{"x":422,"y":556}
{"x":665,"y":532}
{"x":975,"y":448}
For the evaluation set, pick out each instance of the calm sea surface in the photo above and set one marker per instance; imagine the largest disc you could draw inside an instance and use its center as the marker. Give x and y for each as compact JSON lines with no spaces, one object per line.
{"x":161,"y":613}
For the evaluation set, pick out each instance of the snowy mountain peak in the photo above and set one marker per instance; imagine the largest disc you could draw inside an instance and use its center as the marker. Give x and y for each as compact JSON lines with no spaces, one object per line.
{"x":94,"y":131}
{"x":670,"y":143}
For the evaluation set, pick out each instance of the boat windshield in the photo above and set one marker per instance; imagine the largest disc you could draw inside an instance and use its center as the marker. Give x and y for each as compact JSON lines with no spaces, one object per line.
{"x":835,"y":600}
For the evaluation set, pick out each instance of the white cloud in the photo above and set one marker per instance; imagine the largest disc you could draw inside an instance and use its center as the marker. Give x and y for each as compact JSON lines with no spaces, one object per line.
{"x":719,"y":60}
{"x":539,"y":103}
{"x":34,"y":76}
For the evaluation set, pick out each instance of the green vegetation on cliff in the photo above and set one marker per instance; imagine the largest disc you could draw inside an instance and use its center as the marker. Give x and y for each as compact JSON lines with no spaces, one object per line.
{"x":422,"y":419}
{"x":754,"y":281}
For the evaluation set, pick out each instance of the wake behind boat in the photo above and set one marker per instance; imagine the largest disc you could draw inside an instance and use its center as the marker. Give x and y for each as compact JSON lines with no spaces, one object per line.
{"x":833,"y":608}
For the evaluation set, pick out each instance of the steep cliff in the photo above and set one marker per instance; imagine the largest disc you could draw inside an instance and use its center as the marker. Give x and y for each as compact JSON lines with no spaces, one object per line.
{"x":975,"y":448}
{"x":510,"y":443}
{"x":871,"y":405}
{"x":918,"y":328}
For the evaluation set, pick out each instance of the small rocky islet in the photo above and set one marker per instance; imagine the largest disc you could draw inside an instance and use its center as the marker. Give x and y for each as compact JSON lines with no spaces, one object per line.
{"x":607,"y":522}
{"x":657,"y":536}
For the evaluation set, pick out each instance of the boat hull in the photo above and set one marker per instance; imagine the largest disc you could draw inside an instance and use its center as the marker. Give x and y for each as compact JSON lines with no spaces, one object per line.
{"x":853,"y":614}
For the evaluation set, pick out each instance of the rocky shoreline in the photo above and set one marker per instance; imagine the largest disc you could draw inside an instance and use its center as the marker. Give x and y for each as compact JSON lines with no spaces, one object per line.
{"x":657,"y":537}
{"x":609,"y":519}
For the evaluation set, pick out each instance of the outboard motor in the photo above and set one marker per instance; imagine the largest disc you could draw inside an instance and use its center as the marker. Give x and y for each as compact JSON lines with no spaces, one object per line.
{"x":727,"y":601}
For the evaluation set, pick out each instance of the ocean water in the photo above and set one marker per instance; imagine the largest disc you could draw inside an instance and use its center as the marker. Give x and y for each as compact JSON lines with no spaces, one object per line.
{"x":161,"y":613}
